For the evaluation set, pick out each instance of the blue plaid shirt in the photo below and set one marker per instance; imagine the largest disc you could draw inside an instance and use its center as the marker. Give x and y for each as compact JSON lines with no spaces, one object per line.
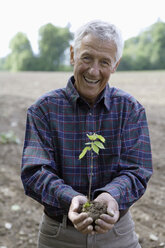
{"x":56,"y":129}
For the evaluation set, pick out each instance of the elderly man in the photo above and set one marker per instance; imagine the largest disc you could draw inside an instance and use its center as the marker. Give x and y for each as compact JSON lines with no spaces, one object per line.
{"x":56,"y":130}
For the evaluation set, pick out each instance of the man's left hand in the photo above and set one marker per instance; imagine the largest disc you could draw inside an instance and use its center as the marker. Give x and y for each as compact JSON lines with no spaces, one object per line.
{"x":107,"y":221}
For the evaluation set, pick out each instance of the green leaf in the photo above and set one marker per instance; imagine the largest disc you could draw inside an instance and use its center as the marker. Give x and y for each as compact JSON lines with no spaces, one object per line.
{"x":100,"y":137}
{"x":84,"y":151}
{"x":95,"y":148}
{"x":92,"y":137}
{"x":86,"y":205}
{"x":99,"y":144}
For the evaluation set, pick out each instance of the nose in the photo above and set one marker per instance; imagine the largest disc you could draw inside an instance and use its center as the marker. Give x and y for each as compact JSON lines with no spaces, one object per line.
{"x":94,"y":69}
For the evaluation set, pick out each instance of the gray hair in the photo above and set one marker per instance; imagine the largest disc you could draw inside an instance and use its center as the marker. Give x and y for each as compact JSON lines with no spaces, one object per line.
{"x":103,"y":30}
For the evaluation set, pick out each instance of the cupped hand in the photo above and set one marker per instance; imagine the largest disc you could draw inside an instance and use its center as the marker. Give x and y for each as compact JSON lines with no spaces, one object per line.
{"x":81,"y":221}
{"x":107,"y":221}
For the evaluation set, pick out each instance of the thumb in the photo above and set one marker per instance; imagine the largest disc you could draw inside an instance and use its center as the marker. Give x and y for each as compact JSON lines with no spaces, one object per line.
{"x":113,"y":209}
{"x":114,"y":213}
{"x":77,"y":201}
{"x":111,"y":212}
{"x":75,"y":204}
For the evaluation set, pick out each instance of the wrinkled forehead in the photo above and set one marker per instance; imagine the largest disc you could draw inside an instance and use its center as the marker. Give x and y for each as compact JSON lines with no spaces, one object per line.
{"x":95,"y":45}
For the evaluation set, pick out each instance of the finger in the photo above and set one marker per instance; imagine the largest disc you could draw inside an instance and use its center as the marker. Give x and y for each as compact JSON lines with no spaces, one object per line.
{"x":109,"y":218}
{"x":88,"y":230}
{"x":78,"y":218}
{"x":84,"y":224}
{"x":99,"y":230}
{"x":102,"y":225}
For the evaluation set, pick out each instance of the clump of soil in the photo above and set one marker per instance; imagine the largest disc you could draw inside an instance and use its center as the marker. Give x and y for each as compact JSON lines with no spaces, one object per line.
{"x":94,"y":210}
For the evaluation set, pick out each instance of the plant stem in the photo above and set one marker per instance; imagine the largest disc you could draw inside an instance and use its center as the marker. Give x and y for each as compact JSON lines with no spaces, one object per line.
{"x":90,"y":178}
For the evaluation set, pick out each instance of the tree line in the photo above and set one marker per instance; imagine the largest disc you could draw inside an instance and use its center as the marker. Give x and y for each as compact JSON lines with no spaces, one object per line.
{"x":143,"y":52}
{"x":53,"y":43}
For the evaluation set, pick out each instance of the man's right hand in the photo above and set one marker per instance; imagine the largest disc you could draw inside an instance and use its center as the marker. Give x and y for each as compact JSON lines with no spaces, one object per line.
{"x":81,"y":221}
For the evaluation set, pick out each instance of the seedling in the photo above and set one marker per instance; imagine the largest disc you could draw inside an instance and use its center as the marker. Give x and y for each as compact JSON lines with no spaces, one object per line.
{"x":95,"y":144}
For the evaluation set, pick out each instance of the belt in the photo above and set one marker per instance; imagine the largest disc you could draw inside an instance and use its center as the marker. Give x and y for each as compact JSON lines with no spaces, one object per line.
{"x":59,"y":218}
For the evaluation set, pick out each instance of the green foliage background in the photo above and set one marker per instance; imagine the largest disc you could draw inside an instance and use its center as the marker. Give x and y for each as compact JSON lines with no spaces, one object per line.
{"x":146,"y":51}
{"x":53,"y":43}
{"x":143,"y":52}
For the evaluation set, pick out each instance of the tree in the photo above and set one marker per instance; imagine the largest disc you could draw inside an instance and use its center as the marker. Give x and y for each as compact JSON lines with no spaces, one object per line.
{"x":158,"y":44}
{"x":21,"y":56}
{"x":53,"y":42}
{"x":146,"y":51}
{"x":128,"y":61}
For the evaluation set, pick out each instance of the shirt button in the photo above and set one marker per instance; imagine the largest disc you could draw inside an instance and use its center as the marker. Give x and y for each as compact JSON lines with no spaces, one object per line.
{"x":90,"y":113}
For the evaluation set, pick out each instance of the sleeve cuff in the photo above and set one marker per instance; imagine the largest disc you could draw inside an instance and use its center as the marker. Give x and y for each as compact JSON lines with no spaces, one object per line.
{"x":66,"y":195}
{"x":113,"y":191}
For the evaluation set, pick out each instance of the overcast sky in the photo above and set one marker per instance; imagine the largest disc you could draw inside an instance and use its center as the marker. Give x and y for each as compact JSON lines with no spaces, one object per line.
{"x":131,"y":16}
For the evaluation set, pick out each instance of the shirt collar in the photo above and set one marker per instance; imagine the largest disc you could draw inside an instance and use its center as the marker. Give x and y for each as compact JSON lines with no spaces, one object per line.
{"x":73,"y":95}
{"x":71,"y":92}
{"x":106,"y":96}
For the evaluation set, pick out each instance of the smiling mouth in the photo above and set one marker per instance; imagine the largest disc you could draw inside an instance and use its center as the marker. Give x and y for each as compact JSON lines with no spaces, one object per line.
{"x":91,"y":81}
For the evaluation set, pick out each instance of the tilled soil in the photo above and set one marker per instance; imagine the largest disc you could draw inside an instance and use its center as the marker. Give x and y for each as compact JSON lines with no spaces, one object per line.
{"x":20,"y":215}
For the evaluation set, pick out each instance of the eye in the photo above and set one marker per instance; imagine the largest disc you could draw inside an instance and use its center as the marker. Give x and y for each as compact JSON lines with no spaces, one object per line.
{"x":86,"y":58}
{"x":106,"y":63}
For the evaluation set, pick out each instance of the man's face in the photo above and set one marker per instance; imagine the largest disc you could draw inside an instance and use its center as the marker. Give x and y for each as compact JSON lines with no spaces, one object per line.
{"x":93,"y":64}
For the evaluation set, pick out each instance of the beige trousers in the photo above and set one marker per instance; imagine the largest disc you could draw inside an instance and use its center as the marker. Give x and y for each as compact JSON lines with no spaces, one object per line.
{"x":60,"y":235}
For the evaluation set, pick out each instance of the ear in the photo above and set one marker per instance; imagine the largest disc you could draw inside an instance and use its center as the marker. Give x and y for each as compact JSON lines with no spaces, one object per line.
{"x":115,"y":67}
{"x":71,"y":55}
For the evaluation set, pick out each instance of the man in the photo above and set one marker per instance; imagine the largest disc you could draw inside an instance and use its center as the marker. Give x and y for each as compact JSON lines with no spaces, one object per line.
{"x":56,"y":130}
